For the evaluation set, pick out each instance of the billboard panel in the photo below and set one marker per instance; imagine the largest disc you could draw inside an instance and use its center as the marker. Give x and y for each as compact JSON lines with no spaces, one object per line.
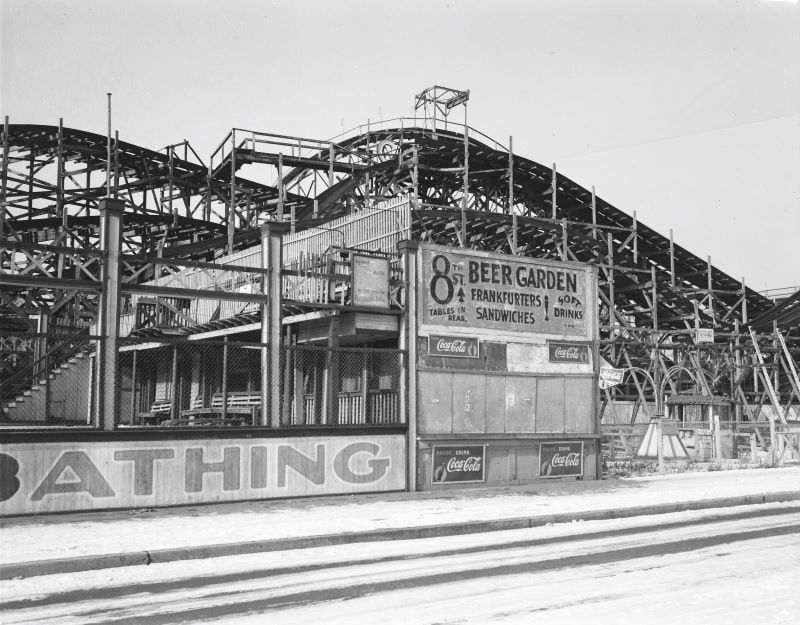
{"x":458,"y":463}
{"x":49,"y":477}
{"x":469,"y":289}
{"x":561,"y":459}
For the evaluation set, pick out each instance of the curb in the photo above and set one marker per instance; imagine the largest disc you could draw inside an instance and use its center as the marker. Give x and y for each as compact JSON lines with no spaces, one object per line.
{"x":137,"y":558}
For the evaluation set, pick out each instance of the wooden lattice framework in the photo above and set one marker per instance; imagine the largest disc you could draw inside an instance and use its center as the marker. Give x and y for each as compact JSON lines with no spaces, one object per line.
{"x":467,"y":190}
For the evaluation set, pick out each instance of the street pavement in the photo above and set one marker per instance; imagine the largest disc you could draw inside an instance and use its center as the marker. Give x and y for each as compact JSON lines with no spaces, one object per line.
{"x":61,"y":543}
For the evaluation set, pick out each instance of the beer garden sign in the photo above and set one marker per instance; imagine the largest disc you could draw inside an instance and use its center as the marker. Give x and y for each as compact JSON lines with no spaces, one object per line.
{"x":469,"y":289}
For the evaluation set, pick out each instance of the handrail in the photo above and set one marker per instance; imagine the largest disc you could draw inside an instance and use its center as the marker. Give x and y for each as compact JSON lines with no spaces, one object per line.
{"x":304,"y":143}
{"x":75,"y":346}
{"x":415,"y":121}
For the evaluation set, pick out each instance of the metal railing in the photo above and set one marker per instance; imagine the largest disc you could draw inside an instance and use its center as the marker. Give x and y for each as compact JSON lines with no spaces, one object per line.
{"x":55,"y":385}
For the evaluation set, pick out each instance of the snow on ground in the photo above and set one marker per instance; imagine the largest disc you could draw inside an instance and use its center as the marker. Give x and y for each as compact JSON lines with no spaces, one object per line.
{"x":63,"y":583}
{"x":28,"y":539}
{"x":456,"y":580}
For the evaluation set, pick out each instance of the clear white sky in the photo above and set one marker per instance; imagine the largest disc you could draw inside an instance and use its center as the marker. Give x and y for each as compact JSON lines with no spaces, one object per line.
{"x":686,"y":111}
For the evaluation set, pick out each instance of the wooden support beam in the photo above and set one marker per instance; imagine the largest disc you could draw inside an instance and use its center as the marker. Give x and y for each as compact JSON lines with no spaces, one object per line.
{"x":230,"y":213}
{"x":655,"y":298}
{"x":280,"y":188}
{"x":465,"y":197}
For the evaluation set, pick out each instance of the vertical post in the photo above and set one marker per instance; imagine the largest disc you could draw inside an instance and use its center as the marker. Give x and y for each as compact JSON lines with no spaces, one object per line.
{"x":43,"y":367}
{"x":744,"y":302}
{"x":300,"y":416}
{"x":111,"y":211}
{"x":233,"y":191}
{"x":776,"y":357}
{"x":671,"y":258}
{"x":330,"y":165}
{"x":31,"y":175}
{"x":592,"y":295}
{"x":464,"y":199}
{"x":271,"y":253}
{"x":116,"y":163}
{"x":635,"y":239}
{"x":4,"y":182}
{"x":564,"y":242}
{"x":330,"y":413}
{"x":511,"y":194}
{"x":660,"y":442}
{"x":773,"y":442}
{"x":171,"y":186}
{"x":654,"y":295}
{"x":611,"y":294}
{"x":415,"y":178}
{"x":108,"y":150}
{"x":62,"y":211}
{"x":280,"y":187}
{"x":133,"y":389}
{"x":173,"y":407}
{"x":208,"y":194}
{"x":366,"y":173}
{"x":287,"y":394}
{"x":717,"y":436}
{"x":553,"y":198}
{"x":364,"y":391}
{"x":594,"y":214}
{"x":737,"y":358}
{"x":408,"y":334}
{"x":711,"y":295}
{"x":225,"y":357}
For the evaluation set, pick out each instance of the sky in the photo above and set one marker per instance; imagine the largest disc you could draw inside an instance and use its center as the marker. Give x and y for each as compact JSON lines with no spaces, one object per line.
{"x":685,"y":111}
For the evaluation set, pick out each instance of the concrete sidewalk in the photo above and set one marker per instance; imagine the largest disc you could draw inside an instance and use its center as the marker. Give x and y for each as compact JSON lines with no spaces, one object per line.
{"x":72,"y":542}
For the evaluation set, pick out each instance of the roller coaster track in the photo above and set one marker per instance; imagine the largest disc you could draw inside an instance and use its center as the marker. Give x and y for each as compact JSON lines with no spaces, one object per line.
{"x":632,"y":256}
{"x":176,"y":206}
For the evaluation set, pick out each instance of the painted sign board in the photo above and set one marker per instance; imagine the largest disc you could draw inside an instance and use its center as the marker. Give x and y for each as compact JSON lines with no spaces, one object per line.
{"x":458,"y":463}
{"x":50,"y":477}
{"x":470,"y":289}
{"x":705,"y":335}
{"x":370,"y":281}
{"x":568,"y":352}
{"x":609,"y":376}
{"x":453,"y":346}
{"x":561,"y":459}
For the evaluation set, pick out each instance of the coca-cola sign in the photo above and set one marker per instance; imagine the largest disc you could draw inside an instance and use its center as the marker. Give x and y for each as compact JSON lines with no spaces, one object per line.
{"x":453,"y":346}
{"x":458,"y":464}
{"x":560,"y":459}
{"x":571,"y":352}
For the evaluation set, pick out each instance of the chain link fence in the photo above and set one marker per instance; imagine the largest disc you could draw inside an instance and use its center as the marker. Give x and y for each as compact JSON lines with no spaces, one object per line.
{"x":216,"y":383}
{"x":322,"y":386}
{"x":177,"y":382}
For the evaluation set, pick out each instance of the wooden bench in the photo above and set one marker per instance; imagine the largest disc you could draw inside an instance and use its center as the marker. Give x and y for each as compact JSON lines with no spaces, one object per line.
{"x":160,"y":409}
{"x":239,"y":402}
{"x":242,"y":409}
